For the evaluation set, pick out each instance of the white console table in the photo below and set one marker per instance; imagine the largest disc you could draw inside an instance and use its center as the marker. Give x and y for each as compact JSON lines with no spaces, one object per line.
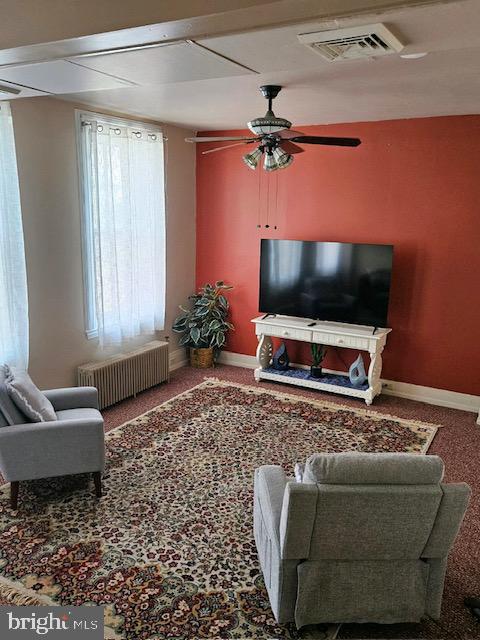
{"x":330,"y":334}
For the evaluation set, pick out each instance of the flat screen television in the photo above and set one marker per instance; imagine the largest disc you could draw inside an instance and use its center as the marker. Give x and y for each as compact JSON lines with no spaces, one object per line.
{"x":333,"y":281}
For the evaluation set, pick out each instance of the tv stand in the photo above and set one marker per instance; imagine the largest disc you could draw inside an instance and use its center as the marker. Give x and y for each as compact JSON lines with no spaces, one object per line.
{"x":333,"y":334}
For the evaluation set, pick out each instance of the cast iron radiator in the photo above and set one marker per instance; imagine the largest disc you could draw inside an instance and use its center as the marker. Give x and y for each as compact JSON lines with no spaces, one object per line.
{"x":127,"y":374}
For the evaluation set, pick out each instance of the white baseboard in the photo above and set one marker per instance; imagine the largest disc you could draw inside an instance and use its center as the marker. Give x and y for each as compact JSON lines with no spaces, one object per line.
{"x":177,"y":359}
{"x":238,"y":360}
{"x":430,"y":395}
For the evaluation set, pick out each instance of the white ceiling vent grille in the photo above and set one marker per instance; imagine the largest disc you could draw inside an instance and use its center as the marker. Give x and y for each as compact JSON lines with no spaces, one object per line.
{"x":352,"y":43}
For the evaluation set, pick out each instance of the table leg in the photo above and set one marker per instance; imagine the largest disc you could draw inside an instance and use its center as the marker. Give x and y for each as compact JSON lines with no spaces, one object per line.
{"x":374,"y":373}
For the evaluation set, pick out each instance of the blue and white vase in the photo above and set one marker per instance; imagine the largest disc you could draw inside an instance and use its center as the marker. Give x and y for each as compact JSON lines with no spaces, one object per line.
{"x":357,"y":372}
{"x":281,"y":360}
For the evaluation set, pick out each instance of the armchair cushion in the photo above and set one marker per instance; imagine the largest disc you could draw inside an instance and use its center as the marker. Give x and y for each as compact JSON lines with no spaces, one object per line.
{"x":28,"y":398}
{"x":373,"y":468}
{"x":8,"y":409}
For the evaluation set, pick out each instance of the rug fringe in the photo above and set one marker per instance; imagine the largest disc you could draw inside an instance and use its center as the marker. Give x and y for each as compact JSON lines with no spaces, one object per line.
{"x":17,"y":597}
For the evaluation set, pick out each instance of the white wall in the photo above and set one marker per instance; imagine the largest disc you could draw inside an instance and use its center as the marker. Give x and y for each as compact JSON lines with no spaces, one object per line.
{"x":48,"y":176}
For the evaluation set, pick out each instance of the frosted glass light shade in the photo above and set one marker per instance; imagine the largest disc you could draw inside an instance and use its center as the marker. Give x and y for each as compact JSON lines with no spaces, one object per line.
{"x":282,"y":158}
{"x":270,"y":163}
{"x":252,"y":159}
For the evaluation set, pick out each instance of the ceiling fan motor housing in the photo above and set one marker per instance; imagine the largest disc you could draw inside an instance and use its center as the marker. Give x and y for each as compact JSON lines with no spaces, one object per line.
{"x":268,"y":124}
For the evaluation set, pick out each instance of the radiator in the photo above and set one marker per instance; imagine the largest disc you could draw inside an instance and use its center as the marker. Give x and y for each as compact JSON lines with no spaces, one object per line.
{"x":127,"y":374}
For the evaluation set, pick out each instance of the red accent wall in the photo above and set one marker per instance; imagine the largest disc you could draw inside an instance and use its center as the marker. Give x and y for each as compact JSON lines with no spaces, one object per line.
{"x":412,"y":183}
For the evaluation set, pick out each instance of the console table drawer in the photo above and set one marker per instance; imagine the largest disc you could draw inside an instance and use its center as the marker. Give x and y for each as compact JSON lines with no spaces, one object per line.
{"x":288,"y":333}
{"x":340,"y":341}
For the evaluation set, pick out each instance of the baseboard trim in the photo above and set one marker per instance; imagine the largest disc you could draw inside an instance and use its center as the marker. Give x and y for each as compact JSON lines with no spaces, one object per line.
{"x":177,"y":359}
{"x":238,"y":360}
{"x":430,"y":395}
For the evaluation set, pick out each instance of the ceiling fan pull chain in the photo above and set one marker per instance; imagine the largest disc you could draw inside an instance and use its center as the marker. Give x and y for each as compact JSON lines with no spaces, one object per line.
{"x":267,"y":226}
{"x":275,"y":213}
{"x":258,"y":200}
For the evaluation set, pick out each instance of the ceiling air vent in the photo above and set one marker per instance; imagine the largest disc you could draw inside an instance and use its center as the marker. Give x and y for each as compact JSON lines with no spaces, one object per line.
{"x":352,"y":43}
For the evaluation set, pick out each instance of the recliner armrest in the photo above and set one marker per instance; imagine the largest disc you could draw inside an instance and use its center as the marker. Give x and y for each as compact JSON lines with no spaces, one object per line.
{"x":73,"y":398}
{"x":297,"y":520}
{"x":270,"y":483}
{"x":449,"y":518}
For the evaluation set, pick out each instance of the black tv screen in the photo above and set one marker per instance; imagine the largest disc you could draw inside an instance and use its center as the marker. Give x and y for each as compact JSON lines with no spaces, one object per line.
{"x":333,"y":281}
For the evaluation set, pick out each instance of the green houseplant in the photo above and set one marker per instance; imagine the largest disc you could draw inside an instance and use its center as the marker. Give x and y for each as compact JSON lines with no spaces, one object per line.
{"x":318,"y":354}
{"x":204,"y":326}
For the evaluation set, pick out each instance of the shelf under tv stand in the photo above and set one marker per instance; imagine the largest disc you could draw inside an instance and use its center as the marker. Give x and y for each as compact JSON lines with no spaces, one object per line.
{"x":347,"y":336}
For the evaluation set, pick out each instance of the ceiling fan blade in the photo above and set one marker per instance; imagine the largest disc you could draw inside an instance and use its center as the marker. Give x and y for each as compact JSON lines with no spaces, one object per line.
{"x":228,"y":146}
{"x":290,"y":148}
{"x":218,"y":139}
{"x":288,"y":134}
{"x":336,"y":142}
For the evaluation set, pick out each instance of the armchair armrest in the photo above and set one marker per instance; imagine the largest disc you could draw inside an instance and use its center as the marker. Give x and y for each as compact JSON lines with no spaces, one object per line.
{"x":270,"y":483}
{"x":60,"y":447}
{"x":73,"y":398}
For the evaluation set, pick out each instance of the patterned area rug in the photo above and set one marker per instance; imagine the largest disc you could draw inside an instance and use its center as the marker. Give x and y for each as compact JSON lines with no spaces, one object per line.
{"x":169,"y":549}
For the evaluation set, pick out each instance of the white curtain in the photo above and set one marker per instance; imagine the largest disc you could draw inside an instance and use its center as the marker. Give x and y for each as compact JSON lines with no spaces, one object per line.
{"x":13,"y":277}
{"x":124,"y":230}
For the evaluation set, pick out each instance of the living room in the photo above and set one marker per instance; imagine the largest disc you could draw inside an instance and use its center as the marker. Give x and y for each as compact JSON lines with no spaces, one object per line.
{"x":331,"y":249}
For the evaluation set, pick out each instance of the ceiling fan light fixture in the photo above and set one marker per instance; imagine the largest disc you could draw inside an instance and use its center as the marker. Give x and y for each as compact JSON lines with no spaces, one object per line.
{"x":282,"y":158}
{"x":270,"y":163}
{"x":251,"y":159}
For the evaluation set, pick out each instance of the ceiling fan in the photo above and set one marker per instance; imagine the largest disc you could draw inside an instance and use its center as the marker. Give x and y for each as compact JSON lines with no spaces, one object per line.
{"x":276,"y":139}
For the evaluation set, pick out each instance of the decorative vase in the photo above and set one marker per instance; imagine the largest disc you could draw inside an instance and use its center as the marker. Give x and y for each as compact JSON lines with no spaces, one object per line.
{"x":201,"y":358}
{"x":357,"y":373}
{"x":316,"y":371}
{"x":281,"y":360}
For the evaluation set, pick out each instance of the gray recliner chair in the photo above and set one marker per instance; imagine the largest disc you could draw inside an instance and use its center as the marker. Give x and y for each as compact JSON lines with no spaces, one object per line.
{"x":74,"y":443}
{"x":360,"y":538}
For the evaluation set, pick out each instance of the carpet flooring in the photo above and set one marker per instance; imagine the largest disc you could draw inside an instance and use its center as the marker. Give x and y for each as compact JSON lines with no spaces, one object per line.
{"x":457,"y":443}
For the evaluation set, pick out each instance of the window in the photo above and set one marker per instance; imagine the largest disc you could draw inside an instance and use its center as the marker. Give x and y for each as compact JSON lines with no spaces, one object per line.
{"x":13,"y":277}
{"x":122,"y":187}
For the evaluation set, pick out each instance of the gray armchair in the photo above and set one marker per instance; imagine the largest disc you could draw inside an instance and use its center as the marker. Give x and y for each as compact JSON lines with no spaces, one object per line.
{"x":360,"y":538}
{"x":74,"y":443}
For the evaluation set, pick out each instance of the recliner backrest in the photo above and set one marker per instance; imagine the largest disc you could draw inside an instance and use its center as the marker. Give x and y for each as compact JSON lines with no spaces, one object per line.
{"x":369,"y":522}
{"x":364,"y":507}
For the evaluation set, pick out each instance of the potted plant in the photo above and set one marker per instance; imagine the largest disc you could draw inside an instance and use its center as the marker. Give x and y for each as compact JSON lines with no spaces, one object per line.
{"x":318,"y":354}
{"x":204,"y":326}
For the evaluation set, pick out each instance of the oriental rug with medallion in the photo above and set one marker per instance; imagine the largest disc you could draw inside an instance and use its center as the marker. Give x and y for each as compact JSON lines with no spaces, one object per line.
{"x":169,"y":549}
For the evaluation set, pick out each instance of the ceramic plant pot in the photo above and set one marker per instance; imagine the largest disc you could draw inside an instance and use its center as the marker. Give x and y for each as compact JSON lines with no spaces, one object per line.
{"x":316,"y":372}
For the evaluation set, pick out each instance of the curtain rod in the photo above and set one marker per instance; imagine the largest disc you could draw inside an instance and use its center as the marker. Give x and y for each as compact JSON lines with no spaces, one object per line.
{"x":118,"y":130}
